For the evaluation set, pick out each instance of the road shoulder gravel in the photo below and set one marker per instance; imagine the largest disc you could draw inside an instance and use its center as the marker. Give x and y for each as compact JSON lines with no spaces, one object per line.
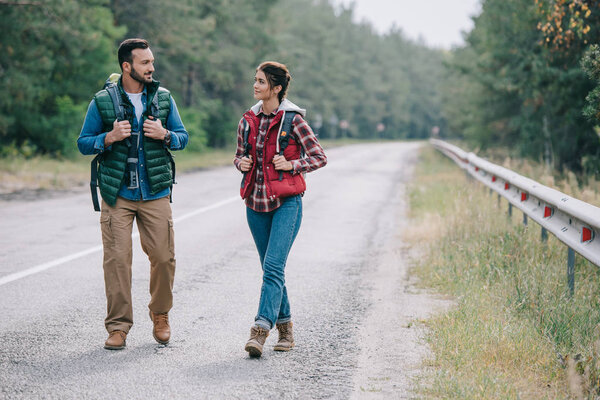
{"x":393,"y":350}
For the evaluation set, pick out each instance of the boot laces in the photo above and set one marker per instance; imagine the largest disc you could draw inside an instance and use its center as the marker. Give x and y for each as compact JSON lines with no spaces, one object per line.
{"x":115,"y":333}
{"x":161,"y":319}
{"x":257,"y":332}
{"x":284,"y":331}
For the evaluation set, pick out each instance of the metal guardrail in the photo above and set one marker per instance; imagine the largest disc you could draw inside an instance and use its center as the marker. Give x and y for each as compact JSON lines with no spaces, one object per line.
{"x":572,"y":221}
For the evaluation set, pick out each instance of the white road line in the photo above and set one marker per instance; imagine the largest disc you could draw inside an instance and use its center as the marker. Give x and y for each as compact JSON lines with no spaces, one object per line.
{"x":207,"y":208}
{"x":42,"y":267}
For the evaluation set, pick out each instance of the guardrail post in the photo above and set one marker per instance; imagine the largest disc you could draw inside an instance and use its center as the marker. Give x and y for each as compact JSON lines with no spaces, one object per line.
{"x":509,"y":209}
{"x":524,"y":219}
{"x":544,"y":234}
{"x":499,"y":200}
{"x":571,"y":270}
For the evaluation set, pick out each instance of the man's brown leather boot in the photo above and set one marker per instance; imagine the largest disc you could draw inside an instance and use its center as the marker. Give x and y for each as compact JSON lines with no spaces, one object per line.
{"x":115,"y":341}
{"x":161,"y":330}
{"x":286,"y":337}
{"x":255,"y":344}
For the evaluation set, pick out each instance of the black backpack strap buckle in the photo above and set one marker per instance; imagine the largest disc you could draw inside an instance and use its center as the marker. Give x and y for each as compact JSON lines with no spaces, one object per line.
{"x":247,"y":147}
{"x":94,"y":182}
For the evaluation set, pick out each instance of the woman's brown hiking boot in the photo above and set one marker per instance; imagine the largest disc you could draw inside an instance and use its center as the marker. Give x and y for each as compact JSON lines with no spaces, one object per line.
{"x":286,"y":337}
{"x":255,"y":344}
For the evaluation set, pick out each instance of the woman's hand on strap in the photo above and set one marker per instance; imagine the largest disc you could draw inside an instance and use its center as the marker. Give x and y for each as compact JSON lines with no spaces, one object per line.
{"x":281,"y":164}
{"x":246,"y":163}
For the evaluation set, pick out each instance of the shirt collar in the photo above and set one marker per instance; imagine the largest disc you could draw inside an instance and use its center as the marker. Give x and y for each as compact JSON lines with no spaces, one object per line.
{"x":273,"y":113}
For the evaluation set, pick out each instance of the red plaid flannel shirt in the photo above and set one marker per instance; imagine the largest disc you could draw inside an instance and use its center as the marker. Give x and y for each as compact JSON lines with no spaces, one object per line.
{"x":315,"y":157}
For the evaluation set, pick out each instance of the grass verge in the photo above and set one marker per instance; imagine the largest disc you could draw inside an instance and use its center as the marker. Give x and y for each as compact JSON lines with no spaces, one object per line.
{"x":514,"y":333}
{"x":44,"y":173}
{"x":18,"y":173}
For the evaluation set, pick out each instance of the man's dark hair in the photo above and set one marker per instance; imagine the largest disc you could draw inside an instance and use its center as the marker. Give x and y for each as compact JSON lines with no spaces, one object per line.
{"x":127,"y":46}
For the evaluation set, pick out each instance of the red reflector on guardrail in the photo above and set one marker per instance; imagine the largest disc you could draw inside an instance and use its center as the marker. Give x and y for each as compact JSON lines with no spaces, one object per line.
{"x":586,"y":235}
{"x":506,"y":186}
{"x":493,"y":179}
{"x":524,"y":196}
{"x":476,"y":169}
{"x":548,"y":212}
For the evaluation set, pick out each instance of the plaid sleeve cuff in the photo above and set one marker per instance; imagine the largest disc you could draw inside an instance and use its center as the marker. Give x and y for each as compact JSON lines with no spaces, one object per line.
{"x":239,"y":152}
{"x":296,"y":166}
{"x":236,"y":162}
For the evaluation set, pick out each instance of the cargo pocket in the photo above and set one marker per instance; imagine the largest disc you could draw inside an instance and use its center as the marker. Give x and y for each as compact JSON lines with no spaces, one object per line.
{"x":106,"y":228}
{"x":171,"y":239}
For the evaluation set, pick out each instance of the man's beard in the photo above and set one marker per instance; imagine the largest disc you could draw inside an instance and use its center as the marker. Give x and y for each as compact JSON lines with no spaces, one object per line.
{"x":137,"y":77}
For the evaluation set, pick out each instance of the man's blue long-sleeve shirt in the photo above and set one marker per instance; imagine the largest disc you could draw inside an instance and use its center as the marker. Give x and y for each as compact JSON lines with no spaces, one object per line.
{"x":91,"y":141}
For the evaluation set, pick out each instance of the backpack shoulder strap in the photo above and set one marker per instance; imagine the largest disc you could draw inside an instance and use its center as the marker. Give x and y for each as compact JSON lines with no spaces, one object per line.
{"x":113,"y":91}
{"x":154,"y":106}
{"x":173,"y":181}
{"x":115,"y":96}
{"x":287,"y":123}
{"x":247,"y":146}
{"x":94,"y":182}
{"x":284,"y":134}
{"x":287,"y":130}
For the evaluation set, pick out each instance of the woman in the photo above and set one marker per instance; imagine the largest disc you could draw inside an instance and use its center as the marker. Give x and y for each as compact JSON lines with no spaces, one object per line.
{"x":269,"y":153}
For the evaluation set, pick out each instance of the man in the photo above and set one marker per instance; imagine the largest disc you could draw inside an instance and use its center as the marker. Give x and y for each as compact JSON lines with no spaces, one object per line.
{"x":132,"y":125}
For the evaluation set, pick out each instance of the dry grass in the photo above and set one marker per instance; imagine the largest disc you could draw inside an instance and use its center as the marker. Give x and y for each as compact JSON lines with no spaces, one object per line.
{"x":45,"y":173}
{"x":513,"y":319}
{"x":583,"y":189}
{"x":18,"y":173}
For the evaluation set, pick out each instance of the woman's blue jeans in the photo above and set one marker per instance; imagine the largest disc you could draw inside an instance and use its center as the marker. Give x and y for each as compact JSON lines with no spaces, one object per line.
{"x":274,"y":233}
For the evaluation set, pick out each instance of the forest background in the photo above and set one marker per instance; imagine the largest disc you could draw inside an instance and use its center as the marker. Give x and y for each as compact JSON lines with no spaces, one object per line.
{"x":527,"y":77}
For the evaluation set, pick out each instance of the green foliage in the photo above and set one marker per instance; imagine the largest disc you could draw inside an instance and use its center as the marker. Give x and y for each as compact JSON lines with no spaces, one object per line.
{"x":205,"y":54}
{"x":11,"y":150}
{"x":591,"y":65}
{"x":194,"y":123}
{"x":55,"y":55}
{"x":51,"y":54}
{"x":356,"y":75}
{"x":520,"y":81}
{"x":60,"y":124}
{"x":510,"y":89}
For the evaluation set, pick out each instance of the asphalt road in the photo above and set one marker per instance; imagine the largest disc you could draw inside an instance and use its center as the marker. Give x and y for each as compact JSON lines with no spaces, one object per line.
{"x":346,"y":278}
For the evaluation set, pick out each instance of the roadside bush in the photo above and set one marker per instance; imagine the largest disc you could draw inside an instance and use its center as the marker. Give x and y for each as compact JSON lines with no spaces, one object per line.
{"x":64,"y":126}
{"x":194,"y":122}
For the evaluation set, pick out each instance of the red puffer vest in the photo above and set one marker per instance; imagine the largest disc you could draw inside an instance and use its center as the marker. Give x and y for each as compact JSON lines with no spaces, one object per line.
{"x":291,"y":184}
